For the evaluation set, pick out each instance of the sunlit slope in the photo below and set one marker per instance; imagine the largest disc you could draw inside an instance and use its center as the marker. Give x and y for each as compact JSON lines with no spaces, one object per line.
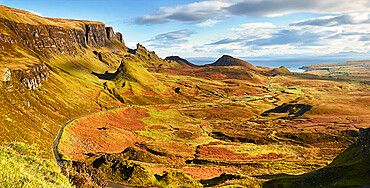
{"x":349,"y":169}
{"x":21,"y":166}
{"x":21,"y":16}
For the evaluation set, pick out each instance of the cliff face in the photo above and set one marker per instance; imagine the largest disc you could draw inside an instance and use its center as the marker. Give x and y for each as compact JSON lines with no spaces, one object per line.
{"x":24,"y":43}
{"x":55,"y":39}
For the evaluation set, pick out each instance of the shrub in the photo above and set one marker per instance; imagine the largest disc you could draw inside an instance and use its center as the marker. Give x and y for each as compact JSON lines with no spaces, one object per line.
{"x":84,"y":175}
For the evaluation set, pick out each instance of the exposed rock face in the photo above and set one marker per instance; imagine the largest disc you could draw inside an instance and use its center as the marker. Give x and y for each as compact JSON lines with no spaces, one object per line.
{"x":114,"y":36}
{"x":33,"y":77}
{"x":44,"y":37}
{"x":48,"y":38}
{"x":227,"y":60}
{"x":147,"y":56}
{"x":7,"y":75}
{"x":181,"y":61}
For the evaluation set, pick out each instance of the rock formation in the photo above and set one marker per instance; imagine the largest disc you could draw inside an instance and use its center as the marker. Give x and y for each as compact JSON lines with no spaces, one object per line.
{"x":49,"y":38}
{"x":42,"y":37}
{"x":33,"y":77}
{"x":7,"y":75}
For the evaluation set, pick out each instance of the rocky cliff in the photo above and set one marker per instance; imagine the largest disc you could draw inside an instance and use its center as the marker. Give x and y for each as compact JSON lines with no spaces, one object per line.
{"x":24,"y":43}
{"x":50,"y":38}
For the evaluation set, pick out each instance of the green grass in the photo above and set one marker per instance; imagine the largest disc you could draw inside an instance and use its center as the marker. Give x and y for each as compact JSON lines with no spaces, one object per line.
{"x":349,"y":169}
{"x":20,"y":166}
{"x":296,"y":91}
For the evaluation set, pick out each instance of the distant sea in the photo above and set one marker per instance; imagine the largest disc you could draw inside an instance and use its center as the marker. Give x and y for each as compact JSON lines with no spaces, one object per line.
{"x":293,"y":64}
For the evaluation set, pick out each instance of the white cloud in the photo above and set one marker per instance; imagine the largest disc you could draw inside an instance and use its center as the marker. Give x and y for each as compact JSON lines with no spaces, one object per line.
{"x":350,"y":18}
{"x":208,"y":23}
{"x":193,"y":12}
{"x":217,"y":10}
{"x":170,"y":39}
{"x":266,"y":39}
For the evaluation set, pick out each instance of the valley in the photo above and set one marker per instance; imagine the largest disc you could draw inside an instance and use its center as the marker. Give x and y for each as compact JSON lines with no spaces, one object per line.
{"x":74,"y":91}
{"x":269,"y":133}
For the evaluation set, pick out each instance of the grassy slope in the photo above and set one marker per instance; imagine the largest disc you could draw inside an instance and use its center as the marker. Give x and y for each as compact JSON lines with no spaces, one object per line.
{"x":70,"y":91}
{"x":349,"y":169}
{"x":22,"y":16}
{"x":21,"y":166}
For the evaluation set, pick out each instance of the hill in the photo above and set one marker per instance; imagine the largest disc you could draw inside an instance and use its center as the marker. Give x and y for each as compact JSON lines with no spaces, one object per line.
{"x":136,"y":116}
{"x":181,"y":61}
{"x":227,"y":60}
{"x":281,"y":70}
{"x":21,"y":166}
{"x":349,"y":169}
{"x":55,"y":69}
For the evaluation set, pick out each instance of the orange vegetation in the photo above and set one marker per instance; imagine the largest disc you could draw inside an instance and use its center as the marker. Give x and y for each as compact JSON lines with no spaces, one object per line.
{"x":159,"y":108}
{"x":225,"y":154}
{"x":198,"y":172}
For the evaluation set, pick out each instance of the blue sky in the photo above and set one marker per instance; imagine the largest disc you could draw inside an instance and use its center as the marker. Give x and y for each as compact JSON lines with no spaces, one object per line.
{"x":248,"y":29}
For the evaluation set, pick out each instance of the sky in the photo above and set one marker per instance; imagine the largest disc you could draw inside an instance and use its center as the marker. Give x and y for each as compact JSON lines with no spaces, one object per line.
{"x":314,"y":31}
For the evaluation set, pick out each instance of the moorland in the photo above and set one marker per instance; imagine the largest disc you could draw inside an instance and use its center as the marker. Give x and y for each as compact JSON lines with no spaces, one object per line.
{"x":141,"y":120}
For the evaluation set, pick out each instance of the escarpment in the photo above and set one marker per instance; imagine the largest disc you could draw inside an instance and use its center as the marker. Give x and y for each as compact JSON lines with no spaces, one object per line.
{"x":26,"y":45}
{"x":55,"y":39}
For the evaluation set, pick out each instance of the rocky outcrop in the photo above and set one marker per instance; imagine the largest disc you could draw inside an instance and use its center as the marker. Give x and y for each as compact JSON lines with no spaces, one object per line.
{"x":7,"y":75}
{"x":145,"y":54}
{"x":34,"y":76}
{"x":49,"y":38}
{"x":114,"y":36}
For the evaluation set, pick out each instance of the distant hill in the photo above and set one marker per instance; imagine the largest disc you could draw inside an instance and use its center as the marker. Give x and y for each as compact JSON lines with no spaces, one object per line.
{"x":350,"y":169}
{"x":181,"y":61}
{"x":281,"y":70}
{"x":227,"y":60}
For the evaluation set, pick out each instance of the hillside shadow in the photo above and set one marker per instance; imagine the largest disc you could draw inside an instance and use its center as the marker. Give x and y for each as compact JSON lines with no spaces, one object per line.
{"x":105,"y":76}
{"x":273,"y":176}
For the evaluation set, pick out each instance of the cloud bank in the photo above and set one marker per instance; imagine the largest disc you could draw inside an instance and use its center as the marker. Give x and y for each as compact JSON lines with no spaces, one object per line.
{"x":206,"y":11}
{"x":170,"y":39}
